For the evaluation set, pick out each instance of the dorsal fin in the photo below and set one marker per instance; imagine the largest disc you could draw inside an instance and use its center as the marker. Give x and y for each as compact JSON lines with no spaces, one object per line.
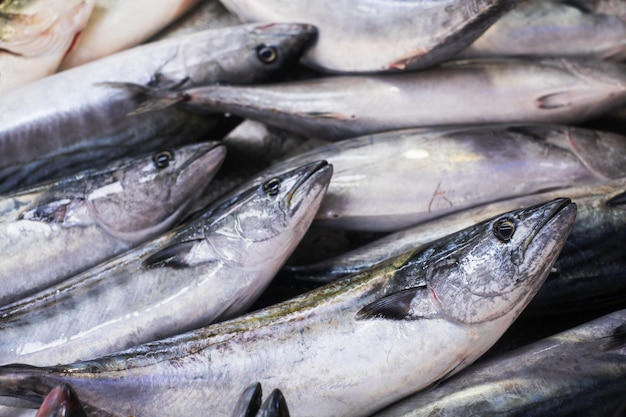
{"x":249,"y":402}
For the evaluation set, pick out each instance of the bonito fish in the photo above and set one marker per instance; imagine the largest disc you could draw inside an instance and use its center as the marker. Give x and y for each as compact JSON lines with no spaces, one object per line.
{"x":552,"y":28}
{"x":565,"y":90}
{"x":578,"y":372}
{"x":358,"y":36}
{"x":116,"y":25}
{"x":415,"y":320}
{"x":370,"y":188}
{"x":53,"y":231}
{"x":35,"y":35}
{"x":68,"y":120}
{"x":211,"y":268}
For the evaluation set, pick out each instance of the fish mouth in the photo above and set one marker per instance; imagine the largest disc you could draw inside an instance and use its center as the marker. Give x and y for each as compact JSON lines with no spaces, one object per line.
{"x":315,"y":173}
{"x":561,"y":211}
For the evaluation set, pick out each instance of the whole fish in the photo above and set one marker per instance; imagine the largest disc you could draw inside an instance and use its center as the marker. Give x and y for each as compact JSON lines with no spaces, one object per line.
{"x":53,"y":231}
{"x":587,"y":275}
{"x":66,"y":121}
{"x":551,"y":28}
{"x":456,"y":93}
{"x":61,"y":402}
{"x":209,"y":269}
{"x":411,"y":322}
{"x":357,"y":37}
{"x":116,"y":25}
{"x":393,"y":180}
{"x":35,"y":35}
{"x":578,"y":372}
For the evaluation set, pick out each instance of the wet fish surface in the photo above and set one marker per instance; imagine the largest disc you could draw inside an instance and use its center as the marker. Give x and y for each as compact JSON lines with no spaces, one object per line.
{"x":53,"y":231}
{"x":357,"y":37}
{"x":83,"y":120}
{"x":504,"y":90}
{"x":581,"y":371}
{"x":428,"y":314}
{"x":393,"y":180}
{"x":552,"y":28}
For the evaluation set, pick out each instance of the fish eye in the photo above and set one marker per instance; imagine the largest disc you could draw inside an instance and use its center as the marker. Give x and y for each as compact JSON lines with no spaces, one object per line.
{"x":272,"y":187}
{"x":267,"y":54}
{"x":504,"y":229}
{"x":162,"y":159}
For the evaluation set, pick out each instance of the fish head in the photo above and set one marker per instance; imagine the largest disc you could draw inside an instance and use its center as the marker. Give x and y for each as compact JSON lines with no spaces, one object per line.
{"x":267,"y":220}
{"x":147,"y":195}
{"x":499,"y":265}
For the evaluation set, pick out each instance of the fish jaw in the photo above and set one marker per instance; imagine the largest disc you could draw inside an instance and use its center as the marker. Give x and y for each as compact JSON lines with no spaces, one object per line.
{"x":148,"y":197}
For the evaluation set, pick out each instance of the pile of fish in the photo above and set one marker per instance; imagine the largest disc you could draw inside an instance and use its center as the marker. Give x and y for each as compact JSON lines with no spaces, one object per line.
{"x":401,"y":208}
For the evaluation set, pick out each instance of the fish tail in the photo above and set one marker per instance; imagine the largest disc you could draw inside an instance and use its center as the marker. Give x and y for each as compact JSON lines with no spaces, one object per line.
{"x":152,"y":98}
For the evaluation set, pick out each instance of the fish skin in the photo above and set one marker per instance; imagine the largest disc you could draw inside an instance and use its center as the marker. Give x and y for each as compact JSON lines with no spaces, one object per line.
{"x":116,"y":25}
{"x":502,"y":90}
{"x":61,"y":402}
{"x":552,"y":28}
{"x":368,"y":191}
{"x":30,"y":53}
{"x":580,"y":371}
{"x":83,"y":120}
{"x":356,"y":36}
{"x":459,"y":302}
{"x":53,"y":231}
{"x":206,"y":270}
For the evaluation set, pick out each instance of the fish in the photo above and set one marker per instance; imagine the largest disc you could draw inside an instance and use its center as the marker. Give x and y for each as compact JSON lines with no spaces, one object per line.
{"x":207,"y":14}
{"x":502,"y":90}
{"x":84,"y":121}
{"x":389,"y":181}
{"x":612,"y":7}
{"x":205,"y":270}
{"x":580,"y":371}
{"x":358,"y":38}
{"x":62,"y":401}
{"x":249,"y":404}
{"x":416,"y":320}
{"x":53,"y":231}
{"x":587,"y":275}
{"x":552,"y":28}
{"x":116,"y":25}
{"x":35,"y":35}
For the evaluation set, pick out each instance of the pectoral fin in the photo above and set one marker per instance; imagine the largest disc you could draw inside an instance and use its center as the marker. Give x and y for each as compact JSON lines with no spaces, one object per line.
{"x":554,"y":101}
{"x":618,"y":200}
{"x":408,"y":304}
{"x":175,"y":256}
{"x":249,"y":402}
{"x":52,"y":212}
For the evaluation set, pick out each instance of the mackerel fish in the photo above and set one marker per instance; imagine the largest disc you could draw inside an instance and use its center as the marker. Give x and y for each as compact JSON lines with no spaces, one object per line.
{"x":209,"y":269}
{"x":415,"y":320}
{"x":53,"y":231}
{"x":66,"y":121}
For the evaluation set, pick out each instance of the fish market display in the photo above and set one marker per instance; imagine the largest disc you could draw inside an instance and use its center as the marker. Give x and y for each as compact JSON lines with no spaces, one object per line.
{"x":415,"y":320}
{"x":116,"y":25}
{"x":211,"y":268}
{"x":512,"y":90}
{"x":61,"y":402}
{"x":552,"y":28}
{"x":35,"y":35}
{"x":357,"y":36}
{"x":393,"y":180}
{"x":69,"y":120}
{"x":56,"y":230}
{"x":579,"y":372}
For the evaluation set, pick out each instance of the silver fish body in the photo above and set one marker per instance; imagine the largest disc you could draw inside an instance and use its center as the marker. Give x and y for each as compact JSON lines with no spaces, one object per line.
{"x":357,"y":36}
{"x":393,"y":180}
{"x":53,"y":231}
{"x":83,"y":120}
{"x":416,"y":320}
{"x":581,"y":371}
{"x":511,"y":90}
{"x":552,"y":28}
{"x":208,"y":269}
